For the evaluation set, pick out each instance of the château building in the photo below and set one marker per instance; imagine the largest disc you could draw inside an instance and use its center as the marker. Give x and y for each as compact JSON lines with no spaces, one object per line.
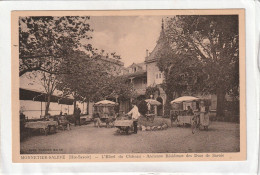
{"x":147,"y":74}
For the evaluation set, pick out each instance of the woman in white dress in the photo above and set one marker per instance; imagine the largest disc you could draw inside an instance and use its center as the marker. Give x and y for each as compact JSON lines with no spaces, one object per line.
{"x":204,"y":117}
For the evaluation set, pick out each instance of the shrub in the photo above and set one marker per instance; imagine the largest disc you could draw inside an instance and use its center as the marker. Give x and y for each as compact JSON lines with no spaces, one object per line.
{"x":142,"y":107}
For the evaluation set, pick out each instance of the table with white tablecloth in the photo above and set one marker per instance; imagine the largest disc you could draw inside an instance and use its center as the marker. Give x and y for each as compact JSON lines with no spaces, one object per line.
{"x":45,"y":125}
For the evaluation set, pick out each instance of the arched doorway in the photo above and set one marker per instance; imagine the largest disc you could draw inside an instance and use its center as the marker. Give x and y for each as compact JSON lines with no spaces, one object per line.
{"x":160,"y":108}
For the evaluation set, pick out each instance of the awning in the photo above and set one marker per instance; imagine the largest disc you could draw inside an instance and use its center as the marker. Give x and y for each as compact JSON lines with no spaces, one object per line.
{"x":34,"y":95}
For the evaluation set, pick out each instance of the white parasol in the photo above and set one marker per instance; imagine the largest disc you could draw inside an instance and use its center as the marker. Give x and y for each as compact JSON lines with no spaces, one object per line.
{"x":105,"y":103}
{"x":184,"y":99}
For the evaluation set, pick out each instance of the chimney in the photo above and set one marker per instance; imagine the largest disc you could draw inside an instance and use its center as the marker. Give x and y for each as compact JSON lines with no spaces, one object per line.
{"x":147,"y":52}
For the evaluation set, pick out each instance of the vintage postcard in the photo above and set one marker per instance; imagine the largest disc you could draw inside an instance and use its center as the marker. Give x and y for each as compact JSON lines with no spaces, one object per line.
{"x":128,"y":85}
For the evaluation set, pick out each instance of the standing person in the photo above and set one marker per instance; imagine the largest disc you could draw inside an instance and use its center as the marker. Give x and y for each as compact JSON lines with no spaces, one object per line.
{"x":204,"y":117}
{"x":77,"y":112}
{"x":97,"y":120}
{"x":174,"y":117}
{"x":135,"y":115}
{"x":190,"y":111}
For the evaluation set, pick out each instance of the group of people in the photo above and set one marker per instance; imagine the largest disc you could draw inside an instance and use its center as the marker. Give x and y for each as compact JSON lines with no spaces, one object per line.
{"x":201,"y":117}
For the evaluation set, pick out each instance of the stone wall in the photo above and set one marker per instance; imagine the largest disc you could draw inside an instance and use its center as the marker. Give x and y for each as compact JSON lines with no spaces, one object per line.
{"x":152,"y":70}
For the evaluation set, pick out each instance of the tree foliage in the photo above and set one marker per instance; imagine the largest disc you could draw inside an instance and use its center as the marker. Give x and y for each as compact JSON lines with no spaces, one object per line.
{"x":83,"y":76}
{"x":119,"y":87}
{"x":201,"y":56}
{"x":46,"y":80}
{"x":150,"y":90}
{"x":90,"y":79}
{"x":142,"y":107}
{"x":45,"y":37}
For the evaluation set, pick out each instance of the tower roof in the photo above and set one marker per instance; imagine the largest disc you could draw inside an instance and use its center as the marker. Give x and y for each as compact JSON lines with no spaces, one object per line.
{"x":159,"y":45}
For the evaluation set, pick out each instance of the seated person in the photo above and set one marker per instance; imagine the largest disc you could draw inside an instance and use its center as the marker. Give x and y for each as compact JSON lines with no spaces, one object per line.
{"x":189,"y":111}
{"x":63,"y":122}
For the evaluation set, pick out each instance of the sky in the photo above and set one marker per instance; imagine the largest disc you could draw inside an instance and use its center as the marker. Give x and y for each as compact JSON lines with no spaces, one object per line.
{"x":128,"y":36}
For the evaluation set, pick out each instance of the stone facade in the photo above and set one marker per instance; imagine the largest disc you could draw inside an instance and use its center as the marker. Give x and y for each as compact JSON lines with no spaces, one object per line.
{"x":154,"y":76}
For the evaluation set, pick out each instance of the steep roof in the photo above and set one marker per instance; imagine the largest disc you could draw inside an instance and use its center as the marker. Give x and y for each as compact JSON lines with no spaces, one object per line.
{"x":160,"y":43}
{"x":136,"y":64}
{"x":140,"y":64}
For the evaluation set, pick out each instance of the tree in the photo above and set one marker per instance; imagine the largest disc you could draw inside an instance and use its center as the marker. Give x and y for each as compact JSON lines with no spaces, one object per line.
{"x":47,"y":80}
{"x":44,"y":37}
{"x":83,"y":77}
{"x":202,"y":56}
{"x":49,"y":84}
{"x":91,"y":79}
{"x":120,"y":88}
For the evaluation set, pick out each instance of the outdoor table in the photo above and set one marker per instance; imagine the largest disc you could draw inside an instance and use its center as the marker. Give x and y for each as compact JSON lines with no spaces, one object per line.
{"x":184,"y":119}
{"x":45,"y":125}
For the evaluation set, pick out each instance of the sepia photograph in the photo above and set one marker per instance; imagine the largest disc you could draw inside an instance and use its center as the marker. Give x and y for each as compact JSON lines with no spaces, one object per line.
{"x":152,"y":83}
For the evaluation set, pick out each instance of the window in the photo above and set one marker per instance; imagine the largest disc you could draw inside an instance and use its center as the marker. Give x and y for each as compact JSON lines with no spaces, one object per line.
{"x":156,"y":76}
{"x":160,"y":75}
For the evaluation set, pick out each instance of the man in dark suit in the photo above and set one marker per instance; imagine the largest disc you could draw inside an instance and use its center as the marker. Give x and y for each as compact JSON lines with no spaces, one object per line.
{"x":77,"y":112}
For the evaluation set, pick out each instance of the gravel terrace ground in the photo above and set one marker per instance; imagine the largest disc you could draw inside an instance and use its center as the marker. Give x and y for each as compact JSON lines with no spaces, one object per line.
{"x":87,"y":139}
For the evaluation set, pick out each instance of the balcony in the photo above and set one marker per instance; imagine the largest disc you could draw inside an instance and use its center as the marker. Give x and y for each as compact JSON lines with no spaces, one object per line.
{"x":140,"y":91}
